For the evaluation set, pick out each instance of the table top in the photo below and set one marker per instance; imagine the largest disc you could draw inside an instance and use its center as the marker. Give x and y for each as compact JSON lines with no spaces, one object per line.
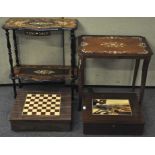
{"x":113,"y":46}
{"x":40,"y":24}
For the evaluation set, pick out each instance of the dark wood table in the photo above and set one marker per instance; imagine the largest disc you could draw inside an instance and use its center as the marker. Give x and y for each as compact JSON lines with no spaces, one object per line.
{"x":40,"y":27}
{"x":113,"y":113}
{"x":114,"y":47}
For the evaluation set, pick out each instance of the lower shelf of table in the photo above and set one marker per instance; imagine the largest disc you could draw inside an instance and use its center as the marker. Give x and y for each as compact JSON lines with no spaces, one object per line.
{"x":56,"y":73}
{"x":42,"y":111}
{"x":116,"y":120}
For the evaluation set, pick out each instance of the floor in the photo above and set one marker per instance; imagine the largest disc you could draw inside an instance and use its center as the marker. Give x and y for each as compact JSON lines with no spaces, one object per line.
{"x":7,"y":101}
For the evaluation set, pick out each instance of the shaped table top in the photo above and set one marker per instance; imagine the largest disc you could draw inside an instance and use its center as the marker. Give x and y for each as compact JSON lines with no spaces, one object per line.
{"x":40,"y":24}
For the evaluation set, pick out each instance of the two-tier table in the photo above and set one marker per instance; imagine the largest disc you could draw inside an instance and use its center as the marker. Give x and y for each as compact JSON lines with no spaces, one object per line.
{"x":37,"y":109}
{"x":112,"y":113}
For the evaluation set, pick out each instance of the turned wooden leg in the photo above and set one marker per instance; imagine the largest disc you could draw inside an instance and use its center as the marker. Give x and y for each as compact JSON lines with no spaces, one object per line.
{"x":73,"y":52}
{"x":11,"y":63}
{"x":16,"y":54}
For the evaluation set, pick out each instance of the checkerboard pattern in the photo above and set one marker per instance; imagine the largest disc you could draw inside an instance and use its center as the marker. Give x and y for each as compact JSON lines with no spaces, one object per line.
{"x":42,"y":105}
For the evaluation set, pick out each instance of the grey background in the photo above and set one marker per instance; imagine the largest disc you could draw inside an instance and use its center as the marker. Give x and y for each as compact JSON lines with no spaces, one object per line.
{"x":47,"y":50}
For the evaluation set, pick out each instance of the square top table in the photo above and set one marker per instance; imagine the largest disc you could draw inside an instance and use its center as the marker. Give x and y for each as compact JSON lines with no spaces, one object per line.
{"x":117,"y":47}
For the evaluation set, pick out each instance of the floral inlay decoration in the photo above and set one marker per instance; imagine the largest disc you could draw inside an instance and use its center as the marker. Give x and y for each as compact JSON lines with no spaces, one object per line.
{"x":44,"y":72}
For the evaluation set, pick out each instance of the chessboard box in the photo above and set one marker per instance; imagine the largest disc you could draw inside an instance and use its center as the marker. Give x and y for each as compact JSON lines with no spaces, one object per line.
{"x":112,"y":124}
{"x":21,"y":122}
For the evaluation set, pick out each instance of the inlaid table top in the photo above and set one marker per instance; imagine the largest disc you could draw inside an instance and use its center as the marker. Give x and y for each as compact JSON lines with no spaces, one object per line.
{"x":114,"y":46}
{"x":40,"y":23}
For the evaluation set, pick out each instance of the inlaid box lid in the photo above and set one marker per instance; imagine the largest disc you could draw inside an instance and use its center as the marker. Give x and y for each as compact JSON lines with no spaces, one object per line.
{"x":40,"y":24}
{"x":114,"y":45}
{"x":111,"y":108}
{"x":115,"y":107}
{"x":42,"y":105}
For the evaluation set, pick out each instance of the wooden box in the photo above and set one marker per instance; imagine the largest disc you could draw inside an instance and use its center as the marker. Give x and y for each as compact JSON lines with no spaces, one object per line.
{"x":112,"y":113}
{"x":42,"y":111}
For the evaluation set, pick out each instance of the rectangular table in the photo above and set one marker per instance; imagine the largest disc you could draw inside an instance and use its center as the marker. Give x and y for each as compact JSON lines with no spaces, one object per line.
{"x":107,"y":115}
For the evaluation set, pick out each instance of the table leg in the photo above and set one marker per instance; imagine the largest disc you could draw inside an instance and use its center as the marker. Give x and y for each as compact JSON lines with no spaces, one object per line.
{"x":73,"y":62}
{"x":146,"y":62}
{"x":135,"y":73}
{"x":16,"y":54}
{"x":11,"y":62}
{"x":81,"y":79}
{"x":63,"y":46}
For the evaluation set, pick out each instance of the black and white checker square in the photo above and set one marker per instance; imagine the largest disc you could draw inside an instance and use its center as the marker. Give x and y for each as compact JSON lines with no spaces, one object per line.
{"x":42,"y":105}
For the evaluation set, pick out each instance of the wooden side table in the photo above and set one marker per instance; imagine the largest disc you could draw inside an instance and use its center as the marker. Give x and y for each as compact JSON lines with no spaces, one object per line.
{"x":40,"y":27}
{"x":115,"y":47}
{"x":113,"y":113}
